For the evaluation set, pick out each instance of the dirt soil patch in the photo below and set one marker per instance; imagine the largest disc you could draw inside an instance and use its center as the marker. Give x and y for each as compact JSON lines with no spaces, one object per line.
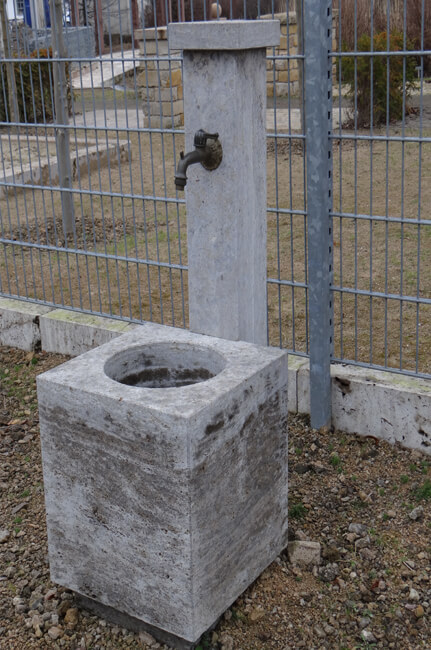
{"x":367,"y":503}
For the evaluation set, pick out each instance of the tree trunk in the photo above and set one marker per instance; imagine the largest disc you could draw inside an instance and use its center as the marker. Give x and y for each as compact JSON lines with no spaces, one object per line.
{"x":98,"y":27}
{"x":10,"y":72}
{"x":62,"y":118}
{"x":74,"y":6}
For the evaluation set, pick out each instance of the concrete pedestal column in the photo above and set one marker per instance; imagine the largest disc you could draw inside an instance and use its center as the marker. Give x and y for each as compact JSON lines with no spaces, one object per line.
{"x":224,"y":81}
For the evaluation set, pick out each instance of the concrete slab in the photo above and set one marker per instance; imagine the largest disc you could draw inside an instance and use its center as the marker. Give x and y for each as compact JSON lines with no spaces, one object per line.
{"x":224,"y":35}
{"x":19,"y":323}
{"x":72,"y":333}
{"x":32,"y":159}
{"x":120,"y":119}
{"x":107,"y":70}
{"x":176,"y":496}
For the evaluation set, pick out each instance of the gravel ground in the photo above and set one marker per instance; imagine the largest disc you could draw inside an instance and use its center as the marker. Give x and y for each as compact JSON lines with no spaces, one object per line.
{"x":368,"y":505}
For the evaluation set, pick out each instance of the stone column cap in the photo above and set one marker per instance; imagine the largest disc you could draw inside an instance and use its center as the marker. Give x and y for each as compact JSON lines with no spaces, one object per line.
{"x":224,"y":35}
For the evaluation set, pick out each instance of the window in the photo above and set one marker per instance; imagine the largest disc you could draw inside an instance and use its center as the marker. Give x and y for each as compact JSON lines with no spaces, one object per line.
{"x":19,"y":8}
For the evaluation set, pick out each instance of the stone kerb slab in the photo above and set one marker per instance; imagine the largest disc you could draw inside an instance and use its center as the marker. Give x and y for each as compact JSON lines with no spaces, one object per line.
{"x":73,"y":333}
{"x":165,"y":503}
{"x":375,"y":403}
{"x":19,"y":323}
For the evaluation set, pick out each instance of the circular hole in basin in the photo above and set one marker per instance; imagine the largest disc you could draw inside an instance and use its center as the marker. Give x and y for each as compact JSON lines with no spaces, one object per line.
{"x":164,"y":365}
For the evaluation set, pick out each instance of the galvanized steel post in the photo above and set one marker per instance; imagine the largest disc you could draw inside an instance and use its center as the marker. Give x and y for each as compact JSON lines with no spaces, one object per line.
{"x":62,"y":118}
{"x":318,"y":111}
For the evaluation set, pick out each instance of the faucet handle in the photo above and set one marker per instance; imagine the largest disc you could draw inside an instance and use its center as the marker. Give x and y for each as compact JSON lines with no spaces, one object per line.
{"x":201,"y":137}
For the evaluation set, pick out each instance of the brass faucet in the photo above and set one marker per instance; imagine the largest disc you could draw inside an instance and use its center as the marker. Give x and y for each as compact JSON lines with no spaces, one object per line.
{"x":209,"y":154}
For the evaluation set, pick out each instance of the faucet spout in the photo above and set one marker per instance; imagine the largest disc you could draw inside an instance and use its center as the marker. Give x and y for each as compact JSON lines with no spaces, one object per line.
{"x":195,"y":156}
{"x":208,"y":154}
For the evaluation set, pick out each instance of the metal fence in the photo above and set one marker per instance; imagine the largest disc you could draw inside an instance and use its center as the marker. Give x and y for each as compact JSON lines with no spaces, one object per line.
{"x":91,"y":127}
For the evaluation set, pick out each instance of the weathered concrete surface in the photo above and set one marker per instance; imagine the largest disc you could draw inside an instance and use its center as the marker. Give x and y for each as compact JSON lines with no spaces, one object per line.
{"x":166,"y":503}
{"x":19,"y":323}
{"x":224,"y":35}
{"x":385,"y":405}
{"x":73,"y":333}
{"x":226,"y":208}
{"x":225,"y":92}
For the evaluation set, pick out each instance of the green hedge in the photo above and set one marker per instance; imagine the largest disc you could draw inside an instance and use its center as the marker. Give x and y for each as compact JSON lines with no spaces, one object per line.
{"x":387,"y":98}
{"x":34,"y":86}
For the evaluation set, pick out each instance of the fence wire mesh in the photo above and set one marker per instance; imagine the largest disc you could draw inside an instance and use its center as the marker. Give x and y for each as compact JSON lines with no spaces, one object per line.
{"x":381,"y":196}
{"x":90,"y":219}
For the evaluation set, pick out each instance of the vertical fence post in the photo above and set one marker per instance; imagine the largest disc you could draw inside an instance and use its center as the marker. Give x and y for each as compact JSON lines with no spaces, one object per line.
{"x":300,"y":33}
{"x":62,"y":117}
{"x":318,"y":124}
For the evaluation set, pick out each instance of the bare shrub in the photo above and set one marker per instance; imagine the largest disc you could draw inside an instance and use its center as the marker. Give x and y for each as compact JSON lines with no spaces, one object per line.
{"x":380,"y":91}
{"x":403,"y":15}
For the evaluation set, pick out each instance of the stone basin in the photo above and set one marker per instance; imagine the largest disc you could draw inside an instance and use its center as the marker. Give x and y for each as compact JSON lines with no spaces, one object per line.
{"x":165,"y":472}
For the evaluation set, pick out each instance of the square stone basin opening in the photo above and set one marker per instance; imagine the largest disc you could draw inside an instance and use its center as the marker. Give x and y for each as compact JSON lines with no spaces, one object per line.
{"x":164,"y":365}
{"x":165,"y":473}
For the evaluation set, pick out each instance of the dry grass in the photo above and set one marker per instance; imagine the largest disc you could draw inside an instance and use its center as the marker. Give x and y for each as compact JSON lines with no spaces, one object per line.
{"x":376,"y":256}
{"x":383,"y":257}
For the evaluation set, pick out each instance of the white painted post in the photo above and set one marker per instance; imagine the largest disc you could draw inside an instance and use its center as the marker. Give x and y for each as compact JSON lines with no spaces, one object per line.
{"x":224,"y":81}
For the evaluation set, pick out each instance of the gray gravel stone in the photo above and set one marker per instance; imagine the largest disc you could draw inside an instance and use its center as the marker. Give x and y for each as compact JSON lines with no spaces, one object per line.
{"x":19,"y":604}
{"x":358,"y":529}
{"x":55,"y":633}
{"x":413,"y":595}
{"x":416,"y":513}
{"x":303,"y":553}
{"x":146,"y":638}
{"x":319,"y":632}
{"x":363,"y":542}
{"x":368,"y":636}
{"x":226,"y":642}
{"x":329,"y":572}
